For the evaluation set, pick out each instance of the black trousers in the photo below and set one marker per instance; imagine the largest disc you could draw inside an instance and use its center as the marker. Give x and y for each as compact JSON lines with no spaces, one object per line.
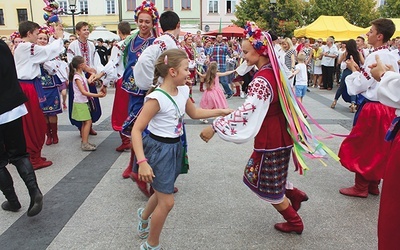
{"x":327,"y":76}
{"x":12,"y":142}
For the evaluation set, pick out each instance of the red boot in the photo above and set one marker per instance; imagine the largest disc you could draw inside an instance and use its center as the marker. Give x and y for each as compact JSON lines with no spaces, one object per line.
{"x":296,"y":197}
{"x":141,"y":184}
{"x":126,"y":144}
{"x":48,"y":135}
{"x":54,"y":134}
{"x":201,"y":86}
{"x":237,"y":93}
{"x":38,"y":162}
{"x":128,"y":170}
{"x":293,"y":224}
{"x":373,"y":187}
{"x":360,"y":188}
{"x":92,"y":131}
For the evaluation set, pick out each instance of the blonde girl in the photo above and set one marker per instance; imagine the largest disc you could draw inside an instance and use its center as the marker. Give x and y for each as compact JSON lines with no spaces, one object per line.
{"x":159,"y":154}
{"x":82,"y":96}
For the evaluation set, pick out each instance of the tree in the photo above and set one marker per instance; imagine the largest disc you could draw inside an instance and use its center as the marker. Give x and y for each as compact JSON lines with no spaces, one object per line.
{"x":391,"y":9}
{"x":359,"y":13}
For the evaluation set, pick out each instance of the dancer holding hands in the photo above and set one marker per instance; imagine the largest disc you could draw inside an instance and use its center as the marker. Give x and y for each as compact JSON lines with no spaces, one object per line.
{"x":158,"y":156}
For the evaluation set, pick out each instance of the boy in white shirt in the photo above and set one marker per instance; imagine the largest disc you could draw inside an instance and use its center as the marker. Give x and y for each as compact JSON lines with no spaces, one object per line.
{"x":300,"y":71}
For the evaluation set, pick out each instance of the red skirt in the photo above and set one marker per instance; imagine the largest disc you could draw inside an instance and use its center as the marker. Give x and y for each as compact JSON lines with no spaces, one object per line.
{"x":365,"y":150}
{"x":389,"y":210}
{"x":120,"y":106}
{"x":34,"y":123}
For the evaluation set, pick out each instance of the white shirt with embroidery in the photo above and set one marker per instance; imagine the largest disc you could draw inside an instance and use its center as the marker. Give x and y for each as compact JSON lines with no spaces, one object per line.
{"x":389,"y":90}
{"x":362,"y":82}
{"x":114,"y":69}
{"x":74,"y":49}
{"x":244,"y":123}
{"x":144,"y":68}
{"x":29,"y":56}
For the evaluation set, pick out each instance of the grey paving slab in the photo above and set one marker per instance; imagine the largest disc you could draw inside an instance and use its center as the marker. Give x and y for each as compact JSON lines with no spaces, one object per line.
{"x":213,"y":208}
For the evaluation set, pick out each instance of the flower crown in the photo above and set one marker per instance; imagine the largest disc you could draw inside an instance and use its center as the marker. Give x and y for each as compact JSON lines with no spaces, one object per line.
{"x":256,"y":37}
{"x":147,"y":7}
{"x":187,"y":35}
{"x":44,"y":30}
{"x":14,"y":35}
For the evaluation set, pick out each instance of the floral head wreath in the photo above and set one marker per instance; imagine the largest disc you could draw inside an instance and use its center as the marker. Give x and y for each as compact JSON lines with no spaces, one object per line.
{"x":147,"y":7}
{"x":44,"y":30}
{"x":257,"y":38}
{"x":187,"y":35}
{"x":14,"y":35}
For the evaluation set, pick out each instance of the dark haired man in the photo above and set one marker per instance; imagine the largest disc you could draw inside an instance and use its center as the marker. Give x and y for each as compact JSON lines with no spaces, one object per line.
{"x":364,"y":151}
{"x":28,"y":57}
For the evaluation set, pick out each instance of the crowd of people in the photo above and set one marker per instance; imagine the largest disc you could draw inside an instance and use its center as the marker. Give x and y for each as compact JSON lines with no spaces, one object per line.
{"x":154,"y":76}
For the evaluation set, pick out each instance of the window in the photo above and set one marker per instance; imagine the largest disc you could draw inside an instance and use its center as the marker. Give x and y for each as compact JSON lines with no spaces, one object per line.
{"x":230,"y":6}
{"x":212,"y":6}
{"x":83,"y":6}
{"x":130,"y":5}
{"x":110,"y":6}
{"x":63,"y":5}
{"x":1,"y":17}
{"x":186,"y":5}
{"x":22,"y":15}
{"x":168,"y":5}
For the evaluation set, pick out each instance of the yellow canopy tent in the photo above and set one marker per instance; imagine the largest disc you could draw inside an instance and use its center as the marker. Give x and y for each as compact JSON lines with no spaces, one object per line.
{"x":325,"y":26}
{"x":396,"y":22}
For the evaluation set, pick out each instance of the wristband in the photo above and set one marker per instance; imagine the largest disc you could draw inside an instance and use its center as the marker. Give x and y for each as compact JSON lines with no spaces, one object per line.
{"x":383,"y":74}
{"x":141,"y":161}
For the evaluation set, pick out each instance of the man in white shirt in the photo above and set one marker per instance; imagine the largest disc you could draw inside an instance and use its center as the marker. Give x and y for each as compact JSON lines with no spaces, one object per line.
{"x":329,"y":54}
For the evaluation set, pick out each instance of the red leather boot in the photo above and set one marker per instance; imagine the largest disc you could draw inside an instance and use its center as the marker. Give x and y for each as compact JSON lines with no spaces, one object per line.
{"x":360,"y":188}
{"x":141,"y":184}
{"x":128,"y":170}
{"x":293,"y":224}
{"x":237,"y":93}
{"x":54,"y":134}
{"x":296,"y":197}
{"x":201,"y":86}
{"x":38,"y":162}
{"x":126,"y":144}
{"x":373,"y":187}
{"x":48,"y":135}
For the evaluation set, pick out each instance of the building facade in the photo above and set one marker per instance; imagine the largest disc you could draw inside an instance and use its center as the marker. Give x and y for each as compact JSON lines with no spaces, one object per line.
{"x":214,"y":12}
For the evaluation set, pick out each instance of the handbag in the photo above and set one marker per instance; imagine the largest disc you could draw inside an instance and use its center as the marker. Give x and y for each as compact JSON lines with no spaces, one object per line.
{"x":185,"y":157}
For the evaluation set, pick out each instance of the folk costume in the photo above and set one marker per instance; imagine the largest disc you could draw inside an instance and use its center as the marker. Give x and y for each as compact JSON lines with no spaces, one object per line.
{"x":389,"y":219}
{"x":28,"y":57}
{"x":88,"y":51}
{"x":372,"y":121}
{"x":114,"y":70}
{"x":190,"y":51}
{"x":144,"y":74}
{"x":270,"y":114}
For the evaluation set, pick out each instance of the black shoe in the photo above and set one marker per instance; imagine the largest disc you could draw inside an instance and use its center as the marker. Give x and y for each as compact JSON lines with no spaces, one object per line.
{"x":36,"y":203}
{"x":11,"y":206}
{"x":308,"y":90}
{"x":229,"y":96}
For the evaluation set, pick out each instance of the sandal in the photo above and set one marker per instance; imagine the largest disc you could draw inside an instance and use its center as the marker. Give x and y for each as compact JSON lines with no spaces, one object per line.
{"x":146,"y":246}
{"x":333,"y":105}
{"x":143,"y":232}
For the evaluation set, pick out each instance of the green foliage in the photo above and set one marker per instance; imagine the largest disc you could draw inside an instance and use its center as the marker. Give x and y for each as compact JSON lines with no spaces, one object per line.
{"x":291,"y":14}
{"x":391,"y":9}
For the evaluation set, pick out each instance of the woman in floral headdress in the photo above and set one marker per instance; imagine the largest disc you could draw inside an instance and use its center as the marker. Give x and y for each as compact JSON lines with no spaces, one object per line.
{"x":190,"y":51}
{"x":50,"y":72}
{"x":146,"y":17}
{"x":264,"y":116}
{"x":15,"y":39}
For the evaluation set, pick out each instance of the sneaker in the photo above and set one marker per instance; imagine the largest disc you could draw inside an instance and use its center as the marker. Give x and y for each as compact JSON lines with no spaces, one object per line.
{"x":242,"y":94}
{"x":228,"y":96}
{"x":88,"y":147}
